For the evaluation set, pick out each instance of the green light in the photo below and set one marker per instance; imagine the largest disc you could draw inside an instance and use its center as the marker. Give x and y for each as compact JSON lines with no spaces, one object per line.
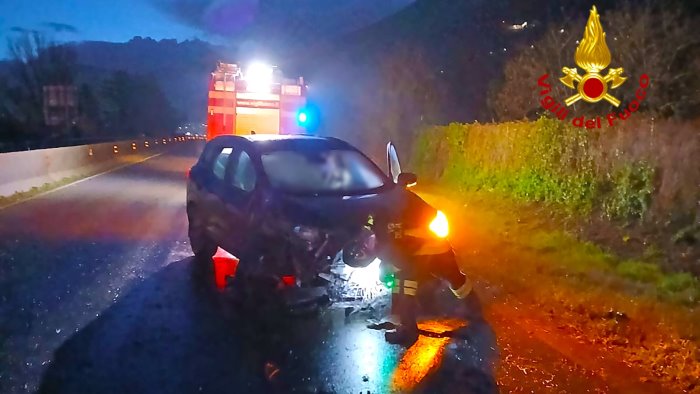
{"x":389,"y":281}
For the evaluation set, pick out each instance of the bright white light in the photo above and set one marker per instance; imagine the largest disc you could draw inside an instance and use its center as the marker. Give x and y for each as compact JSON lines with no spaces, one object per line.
{"x":259,"y":77}
{"x":364,"y":283}
{"x":520,"y":26}
{"x":302,"y":117}
{"x":366,"y":277}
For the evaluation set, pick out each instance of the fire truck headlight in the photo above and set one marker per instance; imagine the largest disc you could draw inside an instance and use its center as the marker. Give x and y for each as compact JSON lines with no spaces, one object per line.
{"x":258,"y":77}
{"x":439,"y":225}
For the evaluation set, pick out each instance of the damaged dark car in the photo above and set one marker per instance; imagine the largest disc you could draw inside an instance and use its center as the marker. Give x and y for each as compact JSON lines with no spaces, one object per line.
{"x":292,"y":206}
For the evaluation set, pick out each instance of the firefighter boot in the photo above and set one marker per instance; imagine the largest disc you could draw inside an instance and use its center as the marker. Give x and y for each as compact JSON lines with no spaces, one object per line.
{"x":407,"y":332}
{"x":470,"y":307}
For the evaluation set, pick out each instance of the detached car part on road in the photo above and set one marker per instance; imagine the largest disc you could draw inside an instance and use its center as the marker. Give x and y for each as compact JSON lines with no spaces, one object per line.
{"x":286,"y":206}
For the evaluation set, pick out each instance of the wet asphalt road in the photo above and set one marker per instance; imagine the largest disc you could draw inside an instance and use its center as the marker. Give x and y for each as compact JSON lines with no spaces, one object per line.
{"x":67,"y":256}
{"x":99,"y":294}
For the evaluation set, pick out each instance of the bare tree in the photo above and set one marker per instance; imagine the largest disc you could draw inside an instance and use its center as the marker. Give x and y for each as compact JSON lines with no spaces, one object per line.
{"x":517,"y":96}
{"x":36,"y":62}
{"x":406,"y":95}
{"x":662,"y":42}
{"x":10,"y":130}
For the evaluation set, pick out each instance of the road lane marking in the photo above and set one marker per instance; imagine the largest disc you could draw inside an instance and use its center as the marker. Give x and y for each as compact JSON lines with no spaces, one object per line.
{"x":80,"y":180}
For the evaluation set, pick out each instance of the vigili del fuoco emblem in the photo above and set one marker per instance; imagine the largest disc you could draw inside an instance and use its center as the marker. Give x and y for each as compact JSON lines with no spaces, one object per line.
{"x":593,"y":56}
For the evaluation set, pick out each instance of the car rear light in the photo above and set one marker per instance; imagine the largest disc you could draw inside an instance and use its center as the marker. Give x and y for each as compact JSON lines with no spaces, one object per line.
{"x":188,"y":173}
{"x":289,"y":280}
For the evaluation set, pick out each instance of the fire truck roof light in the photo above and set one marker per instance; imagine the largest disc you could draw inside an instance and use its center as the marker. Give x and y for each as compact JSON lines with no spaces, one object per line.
{"x":302,"y":117}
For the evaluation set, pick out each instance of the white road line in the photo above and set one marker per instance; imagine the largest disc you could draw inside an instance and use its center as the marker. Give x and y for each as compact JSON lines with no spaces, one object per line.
{"x":79,"y":181}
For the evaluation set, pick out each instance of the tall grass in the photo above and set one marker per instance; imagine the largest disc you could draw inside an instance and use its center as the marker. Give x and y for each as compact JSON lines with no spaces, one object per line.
{"x":639,"y":170}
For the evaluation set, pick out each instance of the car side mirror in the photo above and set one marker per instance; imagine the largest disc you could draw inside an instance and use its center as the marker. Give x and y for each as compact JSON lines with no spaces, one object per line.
{"x":407,"y":179}
{"x":392,"y":158}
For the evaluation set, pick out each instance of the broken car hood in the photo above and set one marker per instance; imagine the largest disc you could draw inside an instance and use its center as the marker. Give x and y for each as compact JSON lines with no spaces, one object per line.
{"x":392,"y":205}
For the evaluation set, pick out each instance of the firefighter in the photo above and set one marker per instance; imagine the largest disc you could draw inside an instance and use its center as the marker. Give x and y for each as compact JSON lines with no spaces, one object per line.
{"x":433,"y":260}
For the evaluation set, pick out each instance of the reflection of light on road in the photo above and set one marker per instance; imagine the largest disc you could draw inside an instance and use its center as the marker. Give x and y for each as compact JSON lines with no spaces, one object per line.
{"x":367,"y":357}
{"x":424,"y":356}
{"x":124,"y":188}
{"x":421,"y":358}
{"x":114,"y":206}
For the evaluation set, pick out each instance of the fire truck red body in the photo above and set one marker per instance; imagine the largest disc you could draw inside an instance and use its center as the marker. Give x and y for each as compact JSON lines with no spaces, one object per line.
{"x":259,"y":101}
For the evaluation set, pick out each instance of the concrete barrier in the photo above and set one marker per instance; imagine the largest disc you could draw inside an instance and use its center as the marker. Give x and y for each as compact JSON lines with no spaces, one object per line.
{"x":22,"y":171}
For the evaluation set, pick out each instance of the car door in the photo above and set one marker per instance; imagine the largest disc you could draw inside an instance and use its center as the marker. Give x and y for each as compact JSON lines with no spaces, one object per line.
{"x":239,"y":200}
{"x":214,"y":186}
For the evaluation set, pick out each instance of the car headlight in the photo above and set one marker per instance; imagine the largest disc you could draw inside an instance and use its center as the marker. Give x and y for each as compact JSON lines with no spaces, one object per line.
{"x":439,"y":225}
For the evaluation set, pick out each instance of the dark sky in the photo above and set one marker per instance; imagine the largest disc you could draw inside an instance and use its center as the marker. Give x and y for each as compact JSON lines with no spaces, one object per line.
{"x":221,"y":21}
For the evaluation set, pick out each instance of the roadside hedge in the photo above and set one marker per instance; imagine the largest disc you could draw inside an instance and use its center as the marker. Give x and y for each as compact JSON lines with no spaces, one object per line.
{"x":630,"y":173}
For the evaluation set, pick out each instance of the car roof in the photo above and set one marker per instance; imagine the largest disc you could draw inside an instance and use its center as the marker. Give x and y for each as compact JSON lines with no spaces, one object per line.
{"x":267,"y":142}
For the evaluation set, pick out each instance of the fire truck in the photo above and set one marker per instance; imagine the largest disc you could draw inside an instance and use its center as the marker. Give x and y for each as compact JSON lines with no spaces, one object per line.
{"x":257,"y":100}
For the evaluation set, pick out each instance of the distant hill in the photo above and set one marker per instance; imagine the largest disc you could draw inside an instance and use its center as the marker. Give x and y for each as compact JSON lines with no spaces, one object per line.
{"x":182,"y":69}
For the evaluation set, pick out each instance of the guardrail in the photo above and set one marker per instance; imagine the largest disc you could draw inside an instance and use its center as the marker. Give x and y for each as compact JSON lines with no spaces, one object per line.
{"x":24,"y":170}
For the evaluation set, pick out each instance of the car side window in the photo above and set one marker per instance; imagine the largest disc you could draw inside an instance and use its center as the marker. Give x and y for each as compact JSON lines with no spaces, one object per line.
{"x":244,"y":176}
{"x":219,"y":165}
{"x":211,"y":150}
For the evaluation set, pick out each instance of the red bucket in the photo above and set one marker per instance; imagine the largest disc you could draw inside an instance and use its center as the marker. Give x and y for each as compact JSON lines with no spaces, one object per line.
{"x":225,"y":265}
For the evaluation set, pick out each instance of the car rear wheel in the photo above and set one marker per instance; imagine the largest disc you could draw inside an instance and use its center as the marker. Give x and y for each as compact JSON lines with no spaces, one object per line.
{"x":202,"y":247}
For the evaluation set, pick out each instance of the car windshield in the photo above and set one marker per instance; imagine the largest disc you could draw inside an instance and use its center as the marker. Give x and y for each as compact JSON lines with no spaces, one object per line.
{"x":322,"y":172}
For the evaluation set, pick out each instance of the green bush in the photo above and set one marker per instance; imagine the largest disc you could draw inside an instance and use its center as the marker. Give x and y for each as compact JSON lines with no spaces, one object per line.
{"x":632,"y":187}
{"x":544,"y":161}
{"x":639,"y":271}
{"x":678,"y":282}
{"x":680,"y":288}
